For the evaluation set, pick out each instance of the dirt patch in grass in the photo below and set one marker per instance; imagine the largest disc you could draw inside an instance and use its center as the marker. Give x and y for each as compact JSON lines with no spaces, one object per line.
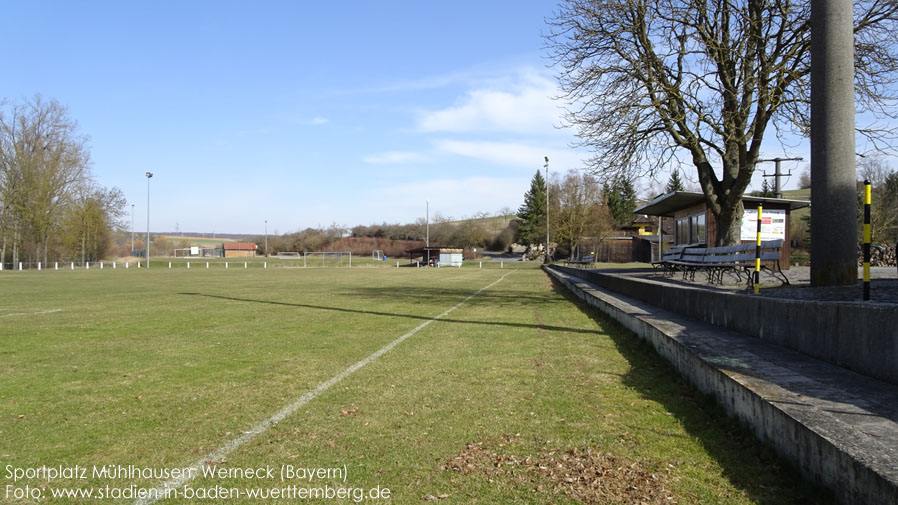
{"x":586,"y":475}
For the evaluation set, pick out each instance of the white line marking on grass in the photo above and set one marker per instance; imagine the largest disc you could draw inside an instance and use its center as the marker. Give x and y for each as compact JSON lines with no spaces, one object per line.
{"x":49,"y":311}
{"x":159,"y":493}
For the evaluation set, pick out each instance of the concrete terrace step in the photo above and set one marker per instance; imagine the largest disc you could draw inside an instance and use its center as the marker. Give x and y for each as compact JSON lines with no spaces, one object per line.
{"x":838,"y":427}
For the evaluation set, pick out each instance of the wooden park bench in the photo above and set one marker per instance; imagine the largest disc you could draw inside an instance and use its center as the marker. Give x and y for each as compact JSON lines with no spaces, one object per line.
{"x":584,"y":260}
{"x":668,"y":263}
{"x":735,"y":260}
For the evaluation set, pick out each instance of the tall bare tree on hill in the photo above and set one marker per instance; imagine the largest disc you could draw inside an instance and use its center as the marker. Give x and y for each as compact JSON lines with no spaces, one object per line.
{"x":648,"y":82}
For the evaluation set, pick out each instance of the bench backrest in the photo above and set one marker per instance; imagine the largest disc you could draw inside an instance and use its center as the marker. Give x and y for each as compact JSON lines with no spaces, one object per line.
{"x":743,"y":253}
{"x":673,"y":253}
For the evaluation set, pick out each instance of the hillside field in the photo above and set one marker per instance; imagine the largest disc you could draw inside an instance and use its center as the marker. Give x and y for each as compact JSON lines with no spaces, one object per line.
{"x":447,"y":385}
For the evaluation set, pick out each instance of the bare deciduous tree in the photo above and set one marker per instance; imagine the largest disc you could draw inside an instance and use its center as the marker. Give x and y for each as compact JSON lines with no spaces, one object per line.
{"x":650,"y":81}
{"x":577,"y":210}
{"x":43,"y":158}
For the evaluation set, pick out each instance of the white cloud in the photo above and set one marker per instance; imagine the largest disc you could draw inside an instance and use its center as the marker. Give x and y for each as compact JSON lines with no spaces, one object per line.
{"x":513,"y":154}
{"x":393,"y":158}
{"x":525,"y":108}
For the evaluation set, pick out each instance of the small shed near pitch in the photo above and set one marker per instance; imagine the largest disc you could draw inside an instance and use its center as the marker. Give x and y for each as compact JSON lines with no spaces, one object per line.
{"x":695,"y":224}
{"x":239,"y":249}
{"x":436,"y":256}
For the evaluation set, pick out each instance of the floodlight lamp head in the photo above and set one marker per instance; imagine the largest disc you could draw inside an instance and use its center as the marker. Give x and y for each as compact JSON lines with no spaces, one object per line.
{"x":547,"y":159}
{"x":149,"y":174}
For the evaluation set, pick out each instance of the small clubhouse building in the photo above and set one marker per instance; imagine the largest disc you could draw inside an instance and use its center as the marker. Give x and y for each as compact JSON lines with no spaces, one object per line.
{"x":239,"y":249}
{"x":694,"y":223}
{"x":436,"y":256}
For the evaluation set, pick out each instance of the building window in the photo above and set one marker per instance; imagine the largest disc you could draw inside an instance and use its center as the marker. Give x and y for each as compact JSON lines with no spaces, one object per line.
{"x":691,"y":229}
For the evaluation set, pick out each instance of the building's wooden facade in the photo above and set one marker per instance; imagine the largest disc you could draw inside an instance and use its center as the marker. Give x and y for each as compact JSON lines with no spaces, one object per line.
{"x":239,"y":249}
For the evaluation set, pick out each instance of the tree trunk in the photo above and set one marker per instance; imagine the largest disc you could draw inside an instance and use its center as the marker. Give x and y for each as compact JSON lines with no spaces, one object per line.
{"x":15,"y":247}
{"x":729,"y":225}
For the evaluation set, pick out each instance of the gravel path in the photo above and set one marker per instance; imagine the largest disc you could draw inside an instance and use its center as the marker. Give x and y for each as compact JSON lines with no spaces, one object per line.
{"x":883,"y":285}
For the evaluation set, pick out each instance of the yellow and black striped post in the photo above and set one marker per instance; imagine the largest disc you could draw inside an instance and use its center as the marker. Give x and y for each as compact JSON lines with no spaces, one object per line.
{"x":868,"y":199}
{"x":757,"y":283}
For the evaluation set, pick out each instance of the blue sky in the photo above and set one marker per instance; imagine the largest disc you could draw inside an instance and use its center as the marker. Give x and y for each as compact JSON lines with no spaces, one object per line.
{"x":300,"y":113}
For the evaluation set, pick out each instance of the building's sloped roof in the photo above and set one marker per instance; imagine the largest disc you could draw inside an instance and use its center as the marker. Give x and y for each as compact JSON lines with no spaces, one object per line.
{"x":666,"y":205}
{"x":239,"y":246}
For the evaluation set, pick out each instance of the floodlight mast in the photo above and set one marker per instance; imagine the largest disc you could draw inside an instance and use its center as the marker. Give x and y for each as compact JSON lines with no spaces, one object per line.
{"x":266,"y":238}
{"x":132,"y":228}
{"x":149,"y":176}
{"x":427,"y":221}
{"x":547,"y":209}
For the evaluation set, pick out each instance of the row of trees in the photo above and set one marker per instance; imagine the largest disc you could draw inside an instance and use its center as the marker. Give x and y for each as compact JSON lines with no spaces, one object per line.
{"x":50,"y":207}
{"x":580,"y":208}
{"x":480,"y":231}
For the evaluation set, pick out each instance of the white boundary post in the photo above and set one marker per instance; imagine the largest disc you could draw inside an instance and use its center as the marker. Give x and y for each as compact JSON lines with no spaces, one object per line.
{"x":169,"y":264}
{"x":138,"y":264}
{"x":188,"y":265}
{"x":38,"y":266}
{"x":73,"y":265}
{"x":265,"y":264}
{"x":207,"y":265}
{"x":55,"y":266}
{"x":244,"y":265}
{"x":87,"y":266}
{"x":481,"y":264}
{"x":126,"y":264}
{"x":114,"y":266}
{"x":501,"y":264}
{"x":20,"y":266}
{"x":226,"y":265}
{"x":101,"y":265}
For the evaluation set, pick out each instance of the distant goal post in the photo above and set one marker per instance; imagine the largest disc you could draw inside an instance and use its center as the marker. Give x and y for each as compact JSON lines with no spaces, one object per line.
{"x":377,"y":255}
{"x":327,"y":259}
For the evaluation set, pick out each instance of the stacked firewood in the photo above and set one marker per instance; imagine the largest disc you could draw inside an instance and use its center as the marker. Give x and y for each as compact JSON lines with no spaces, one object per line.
{"x":880,"y":255}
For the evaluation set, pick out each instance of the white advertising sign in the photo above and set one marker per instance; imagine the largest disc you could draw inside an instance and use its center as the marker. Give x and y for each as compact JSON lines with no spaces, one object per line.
{"x":773,"y":224}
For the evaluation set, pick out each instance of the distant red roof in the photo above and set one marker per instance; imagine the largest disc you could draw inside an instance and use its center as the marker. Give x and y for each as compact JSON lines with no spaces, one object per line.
{"x":239,"y":246}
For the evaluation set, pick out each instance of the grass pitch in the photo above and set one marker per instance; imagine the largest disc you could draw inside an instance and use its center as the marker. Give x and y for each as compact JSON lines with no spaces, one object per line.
{"x":518,"y":396}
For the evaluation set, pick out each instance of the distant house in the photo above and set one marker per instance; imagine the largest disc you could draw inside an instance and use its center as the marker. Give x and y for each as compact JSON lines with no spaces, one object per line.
{"x":239,"y":249}
{"x":641,"y":226}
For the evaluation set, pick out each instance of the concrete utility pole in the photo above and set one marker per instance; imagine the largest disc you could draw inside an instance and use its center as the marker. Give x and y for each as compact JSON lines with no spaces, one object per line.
{"x":427,"y":225}
{"x":833,"y":172}
{"x":132,"y":228}
{"x":266,"y":238}
{"x":777,"y":174}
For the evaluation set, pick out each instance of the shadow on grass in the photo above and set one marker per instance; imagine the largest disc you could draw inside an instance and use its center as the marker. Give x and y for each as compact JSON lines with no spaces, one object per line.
{"x":414,"y":294}
{"x":393,"y":314}
{"x":746,"y":462}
